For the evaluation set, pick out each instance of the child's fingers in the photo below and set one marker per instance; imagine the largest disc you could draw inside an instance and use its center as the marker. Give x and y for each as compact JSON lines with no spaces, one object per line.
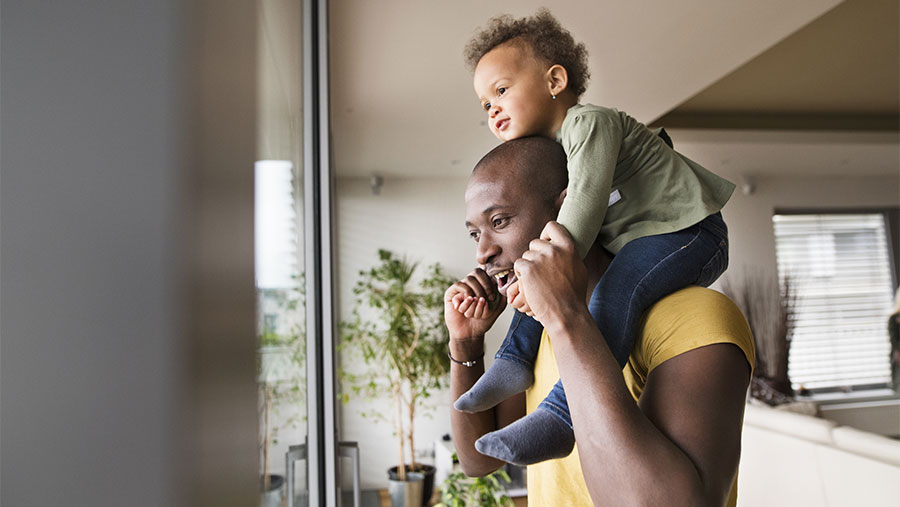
{"x":512,"y":291}
{"x":518,"y":302}
{"x":481,"y":308}
{"x":465,"y":304}
{"x":473,"y":304}
{"x":457,"y":300}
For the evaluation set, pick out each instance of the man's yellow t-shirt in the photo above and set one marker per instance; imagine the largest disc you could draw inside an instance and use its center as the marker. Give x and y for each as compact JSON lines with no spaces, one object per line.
{"x":685,"y":320}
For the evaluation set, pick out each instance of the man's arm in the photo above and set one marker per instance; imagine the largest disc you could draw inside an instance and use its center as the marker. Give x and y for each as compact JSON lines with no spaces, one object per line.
{"x":682,"y":444}
{"x":468,"y":316}
{"x":467,"y":428}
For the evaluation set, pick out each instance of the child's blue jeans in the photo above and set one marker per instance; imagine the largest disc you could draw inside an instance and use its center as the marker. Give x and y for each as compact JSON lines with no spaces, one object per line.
{"x":643,"y":272}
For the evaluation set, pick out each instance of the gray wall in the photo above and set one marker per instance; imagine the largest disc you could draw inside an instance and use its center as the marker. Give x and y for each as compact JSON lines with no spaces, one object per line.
{"x":100,"y":378}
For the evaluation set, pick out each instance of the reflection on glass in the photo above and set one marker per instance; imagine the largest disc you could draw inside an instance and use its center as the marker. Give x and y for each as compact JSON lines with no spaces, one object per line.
{"x":278,"y":222}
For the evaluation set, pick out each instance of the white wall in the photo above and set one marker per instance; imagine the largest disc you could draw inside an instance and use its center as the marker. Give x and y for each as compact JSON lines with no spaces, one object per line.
{"x":424,"y":219}
{"x":749,"y":217}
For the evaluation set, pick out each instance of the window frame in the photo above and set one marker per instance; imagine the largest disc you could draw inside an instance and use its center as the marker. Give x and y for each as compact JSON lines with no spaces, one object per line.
{"x":891,"y":216}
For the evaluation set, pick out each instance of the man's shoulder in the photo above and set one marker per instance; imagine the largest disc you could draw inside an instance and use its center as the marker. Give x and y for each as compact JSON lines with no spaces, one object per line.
{"x":694,"y":301}
{"x":688,"y":319}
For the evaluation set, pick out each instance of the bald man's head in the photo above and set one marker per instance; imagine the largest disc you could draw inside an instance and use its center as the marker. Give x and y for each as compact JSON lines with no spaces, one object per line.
{"x":535,"y":166}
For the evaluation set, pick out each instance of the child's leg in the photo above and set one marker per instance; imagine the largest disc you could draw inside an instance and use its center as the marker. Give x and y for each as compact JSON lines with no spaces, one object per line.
{"x":644,"y":271}
{"x":649,"y":268}
{"x":512,"y":370}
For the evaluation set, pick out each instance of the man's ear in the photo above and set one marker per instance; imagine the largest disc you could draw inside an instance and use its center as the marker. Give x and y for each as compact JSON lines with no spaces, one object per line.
{"x":560,"y":199}
{"x":557,"y":79}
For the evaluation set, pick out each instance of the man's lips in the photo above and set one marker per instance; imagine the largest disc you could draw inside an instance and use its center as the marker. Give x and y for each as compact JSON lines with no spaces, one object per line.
{"x":504,"y":279}
{"x":501,"y":124}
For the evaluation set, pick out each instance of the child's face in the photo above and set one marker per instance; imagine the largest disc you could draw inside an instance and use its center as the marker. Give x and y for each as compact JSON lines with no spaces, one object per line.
{"x":514,"y":90}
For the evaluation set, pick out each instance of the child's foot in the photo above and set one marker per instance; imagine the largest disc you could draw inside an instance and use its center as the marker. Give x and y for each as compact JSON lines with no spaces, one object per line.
{"x":537,"y":437}
{"x":503,"y":379}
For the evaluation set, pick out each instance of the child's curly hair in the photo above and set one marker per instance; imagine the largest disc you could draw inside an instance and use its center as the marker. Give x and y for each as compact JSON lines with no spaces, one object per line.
{"x":543,"y":34}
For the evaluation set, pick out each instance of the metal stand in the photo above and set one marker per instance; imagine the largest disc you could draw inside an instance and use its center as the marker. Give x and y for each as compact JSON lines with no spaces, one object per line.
{"x":351,"y":450}
{"x":298,"y":452}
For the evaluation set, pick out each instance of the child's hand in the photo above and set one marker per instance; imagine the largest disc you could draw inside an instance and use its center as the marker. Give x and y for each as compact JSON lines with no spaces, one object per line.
{"x":516,"y":298}
{"x":471,"y":305}
{"x":551,"y":272}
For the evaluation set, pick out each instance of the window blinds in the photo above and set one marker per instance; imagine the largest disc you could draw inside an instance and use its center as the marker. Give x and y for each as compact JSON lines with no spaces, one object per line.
{"x":840,"y":268}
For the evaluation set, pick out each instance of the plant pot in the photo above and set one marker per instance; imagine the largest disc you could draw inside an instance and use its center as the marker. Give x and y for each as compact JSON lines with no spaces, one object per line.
{"x":406,"y":493}
{"x":427,"y":471}
{"x":272,"y":496}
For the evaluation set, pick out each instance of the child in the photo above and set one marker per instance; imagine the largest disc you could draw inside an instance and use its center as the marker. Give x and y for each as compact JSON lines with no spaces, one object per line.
{"x":655,"y":210}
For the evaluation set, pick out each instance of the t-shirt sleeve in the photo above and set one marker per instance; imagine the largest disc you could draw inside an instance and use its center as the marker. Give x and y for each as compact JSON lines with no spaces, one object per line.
{"x":673,"y":328}
{"x":591,"y":140}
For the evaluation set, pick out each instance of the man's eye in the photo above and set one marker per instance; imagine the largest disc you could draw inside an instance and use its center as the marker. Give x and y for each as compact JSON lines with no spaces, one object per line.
{"x":487,"y":106}
{"x":501,"y":90}
{"x":473,"y":235}
{"x":499,"y":222}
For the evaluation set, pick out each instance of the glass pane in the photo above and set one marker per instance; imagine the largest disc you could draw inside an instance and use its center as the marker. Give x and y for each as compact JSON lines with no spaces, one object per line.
{"x":280,"y":284}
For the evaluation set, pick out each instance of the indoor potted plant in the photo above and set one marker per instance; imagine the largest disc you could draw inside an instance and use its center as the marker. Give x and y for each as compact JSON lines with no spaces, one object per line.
{"x":459,"y":490}
{"x":397,"y":328}
{"x":768,"y":305}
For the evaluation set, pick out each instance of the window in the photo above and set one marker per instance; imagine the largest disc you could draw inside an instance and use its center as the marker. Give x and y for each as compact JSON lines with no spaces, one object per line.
{"x":838,"y":266}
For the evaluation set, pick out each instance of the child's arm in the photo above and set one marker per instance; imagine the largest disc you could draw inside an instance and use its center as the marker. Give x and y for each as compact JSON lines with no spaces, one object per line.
{"x":592,"y":142}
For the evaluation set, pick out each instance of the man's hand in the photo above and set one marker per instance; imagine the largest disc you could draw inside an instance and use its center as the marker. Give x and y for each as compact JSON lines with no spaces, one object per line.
{"x":550,"y":275}
{"x":472,"y":305}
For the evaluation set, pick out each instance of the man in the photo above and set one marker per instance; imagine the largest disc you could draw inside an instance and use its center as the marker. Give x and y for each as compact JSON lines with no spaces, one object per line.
{"x":689,"y":372}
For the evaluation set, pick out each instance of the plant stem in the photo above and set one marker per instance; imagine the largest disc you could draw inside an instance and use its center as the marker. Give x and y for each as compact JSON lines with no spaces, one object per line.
{"x":412,"y":415}
{"x":268,"y":394}
{"x":401,"y":469}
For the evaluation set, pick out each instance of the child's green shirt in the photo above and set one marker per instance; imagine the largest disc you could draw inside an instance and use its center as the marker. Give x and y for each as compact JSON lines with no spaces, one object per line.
{"x":626,"y":183}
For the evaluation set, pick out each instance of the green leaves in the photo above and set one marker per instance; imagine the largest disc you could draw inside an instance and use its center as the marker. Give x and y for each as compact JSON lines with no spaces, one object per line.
{"x":459,"y":490}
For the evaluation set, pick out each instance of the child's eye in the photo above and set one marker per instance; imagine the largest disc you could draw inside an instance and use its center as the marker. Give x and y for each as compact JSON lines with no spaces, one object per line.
{"x":487,"y":106}
{"x":501,"y":90}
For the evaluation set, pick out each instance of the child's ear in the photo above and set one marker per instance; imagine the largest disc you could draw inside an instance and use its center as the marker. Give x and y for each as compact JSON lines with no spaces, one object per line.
{"x":557,"y":79}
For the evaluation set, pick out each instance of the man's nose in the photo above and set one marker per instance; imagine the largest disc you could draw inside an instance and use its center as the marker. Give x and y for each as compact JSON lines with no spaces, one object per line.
{"x":486,"y":251}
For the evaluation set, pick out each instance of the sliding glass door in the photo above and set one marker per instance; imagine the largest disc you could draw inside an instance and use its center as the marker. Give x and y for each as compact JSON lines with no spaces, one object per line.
{"x":293,"y":248}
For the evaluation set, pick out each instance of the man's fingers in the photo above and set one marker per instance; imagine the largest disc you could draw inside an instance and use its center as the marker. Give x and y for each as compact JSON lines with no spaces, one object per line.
{"x":521,"y":267}
{"x":557,"y":234}
{"x":488,"y":284}
{"x":538,"y":244}
{"x":458,"y":288}
{"x":475,"y":283}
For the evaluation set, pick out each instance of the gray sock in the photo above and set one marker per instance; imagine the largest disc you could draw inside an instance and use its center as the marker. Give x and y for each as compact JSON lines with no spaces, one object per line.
{"x":539,"y":436}
{"x":503,"y":379}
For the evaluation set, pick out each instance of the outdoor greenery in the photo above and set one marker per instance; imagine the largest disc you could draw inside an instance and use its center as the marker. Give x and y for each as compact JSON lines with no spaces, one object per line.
{"x":397,"y":328}
{"x":282,"y":348}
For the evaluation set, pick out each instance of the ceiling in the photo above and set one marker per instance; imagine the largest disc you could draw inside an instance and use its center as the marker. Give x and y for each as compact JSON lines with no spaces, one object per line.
{"x":403,"y":106}
{"x":840,"y":72}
